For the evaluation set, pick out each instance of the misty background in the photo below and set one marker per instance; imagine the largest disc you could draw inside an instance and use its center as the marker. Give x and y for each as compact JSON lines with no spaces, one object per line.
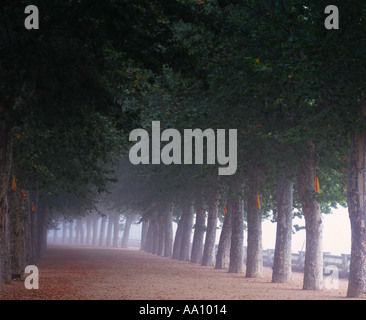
{"x":336,"y":233}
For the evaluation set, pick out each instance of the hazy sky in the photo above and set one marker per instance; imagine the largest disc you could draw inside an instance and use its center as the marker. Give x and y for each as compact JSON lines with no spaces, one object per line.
{"x":336,"y":233}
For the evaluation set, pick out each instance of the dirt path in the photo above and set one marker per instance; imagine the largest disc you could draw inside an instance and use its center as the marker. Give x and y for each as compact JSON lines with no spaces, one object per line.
{"x":67,"y":273}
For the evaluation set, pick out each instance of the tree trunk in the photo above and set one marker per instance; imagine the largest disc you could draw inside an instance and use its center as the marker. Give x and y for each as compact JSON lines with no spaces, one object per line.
{"x":282,"y":256}
{"x":5,"y":169}
{"x":28,"y":259}
{"x":168,"y":247}
{"x":95,"y":228}
{"x":209,"y":248}
{"x":199,"y":232}
{"x":223,"y":250}
{"x":144,"y":229}
{"x":82,"y":231}
{"x":313,"y":270}
{"x":89,"y":221}
{"x":41,"y":232}
{"x":77,"y":232}
{"x":356,"y":191}
{"x":178,"y":238}
{"x":71,"y":231}
{"x":18,"y":217}
{"x":55,"y":231}
{"x":254,"y":266}
{"x":28,"y":232}
{"x":32,"y":255}
{"x":149,"y":237}
{"x":236,"y":206}
{"x":64,"y":229}
{"x":126,"y":232}
{"x":5,"y":249}
{"x":108,"y":241}
{"x":33,"y":227}
{"x":102,"y":230}
{"x":161,"y":235}
{"x":155,"y":224}
{"x":187,"y":231}
{"x":116,"y":229}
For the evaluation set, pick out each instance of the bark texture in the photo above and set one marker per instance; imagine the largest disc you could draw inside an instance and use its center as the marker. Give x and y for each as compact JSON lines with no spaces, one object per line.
{"x":282,"y":256}
{"x":168,"y":247}
{"x":102,"y":230}
{"x":236,"y":206}
{"x":356,"y":198}
{"x":108,"y":241}
{"x":178,"y":238}
{"x":254,"y":251}
{"x":116,"y":229}
{"x":208,"y":257}
{"x":223,"y":249}
{"x":88,"y":221}
{"x":199,"y":232}
{"x":161,"y":235}
{"x":126,"y":232}
{"x":5,"y":169}
{"x":71,"y":231}
{"x":18,"y":227}
{"x":41,"y":232}
{"x":144,"y":228}
{"x":155,"y":230}
{"x":149,"y":236}
{"x":188,"y":210}
{"x":95,"y":228}
{"x":313,"y":270}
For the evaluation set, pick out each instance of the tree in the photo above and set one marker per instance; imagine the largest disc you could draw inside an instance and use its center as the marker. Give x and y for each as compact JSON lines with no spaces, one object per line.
{"x":126,"y":232}
{"x":199,"y":230}
{"x":188,"y":209}
{"x":61,"y":95}
{"x":236,"y":206}
{"x":168,"y":219}
{"x":356,"y":175}
{"x":223,"y":249}
{"x":208,"y":256}
{"x":283,"y":254}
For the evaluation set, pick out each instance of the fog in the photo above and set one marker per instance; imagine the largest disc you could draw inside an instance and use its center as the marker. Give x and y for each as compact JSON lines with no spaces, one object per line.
{"x":336,"y":234}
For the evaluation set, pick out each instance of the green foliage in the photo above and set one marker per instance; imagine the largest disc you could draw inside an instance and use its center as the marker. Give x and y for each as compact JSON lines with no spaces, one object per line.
{"x":71,"y":90}
{"x":266,"y":69}
{"x":95,"y":70}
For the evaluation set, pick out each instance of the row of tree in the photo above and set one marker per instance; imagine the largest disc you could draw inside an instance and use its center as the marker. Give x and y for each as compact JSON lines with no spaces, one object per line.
{"x":67,"y":103}
{"x":94,"y":230}
{"x":271,"y":70}
{"x":236,"y":207}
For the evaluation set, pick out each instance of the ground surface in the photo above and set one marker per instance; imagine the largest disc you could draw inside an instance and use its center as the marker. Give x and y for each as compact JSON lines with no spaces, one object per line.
{"x":72,"y":273}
